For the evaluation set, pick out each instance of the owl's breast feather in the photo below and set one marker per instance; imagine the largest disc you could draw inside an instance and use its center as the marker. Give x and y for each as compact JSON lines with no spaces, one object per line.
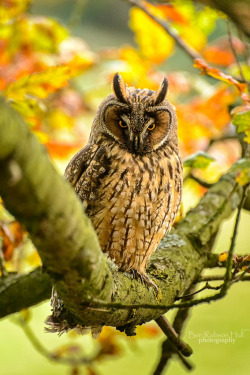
{"x":135,"y":204}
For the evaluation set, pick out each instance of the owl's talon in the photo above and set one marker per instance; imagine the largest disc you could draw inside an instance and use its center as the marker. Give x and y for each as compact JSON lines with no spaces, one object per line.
{"x":150,"y":283}
{"x":133,"y":273}
{"x":144,"y":279}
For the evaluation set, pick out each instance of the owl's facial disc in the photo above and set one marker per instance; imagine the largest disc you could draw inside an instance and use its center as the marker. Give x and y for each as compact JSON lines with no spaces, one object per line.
{"x":139,"y":120}
{"x":139,"y":131}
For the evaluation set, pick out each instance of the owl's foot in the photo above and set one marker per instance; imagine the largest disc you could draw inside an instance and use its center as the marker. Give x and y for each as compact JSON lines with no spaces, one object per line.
{"x":144,"y":279}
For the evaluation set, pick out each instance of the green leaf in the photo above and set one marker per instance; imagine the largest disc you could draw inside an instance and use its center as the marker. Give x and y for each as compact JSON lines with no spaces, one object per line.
{"x":241,"y":169}
{"x":242,"y":121}
{"x":199,"y":160}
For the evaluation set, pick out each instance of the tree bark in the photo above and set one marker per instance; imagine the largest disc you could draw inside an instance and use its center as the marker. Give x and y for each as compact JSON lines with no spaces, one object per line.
{"x":39,"y":198}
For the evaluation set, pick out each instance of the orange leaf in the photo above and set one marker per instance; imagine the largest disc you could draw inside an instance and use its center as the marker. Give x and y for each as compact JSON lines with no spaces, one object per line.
{"x":154,"y":42}
{"x":216,"y":55}
{"x":62,"y":150}
{"x":172,"y":12}
{"x":12,"y":234}
{"x":216,"y":73}
{"x":39,"y":84}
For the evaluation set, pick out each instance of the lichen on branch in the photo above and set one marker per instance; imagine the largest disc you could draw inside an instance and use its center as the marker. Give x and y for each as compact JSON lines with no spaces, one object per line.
{"x":39,"y":198}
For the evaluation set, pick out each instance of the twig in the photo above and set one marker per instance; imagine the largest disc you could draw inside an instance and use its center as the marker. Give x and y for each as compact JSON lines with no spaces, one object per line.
{"x":172,"y":335}
{"x":172,"y":32}
{"x":242,"y":276}
{"x":214,"y":262}
{"x":229,"y":265}
{"x":230,"y":38}
{"x":46,"y":353}
{"x":201,"y":182}
{"x":167,"y":348}
{"x":220,"y":277}
{"x":225,"y":137}
{"x":206,"y":286}
{"x":246,"y":44}
{"x":77,"y":12}
{"x":4,"y":273}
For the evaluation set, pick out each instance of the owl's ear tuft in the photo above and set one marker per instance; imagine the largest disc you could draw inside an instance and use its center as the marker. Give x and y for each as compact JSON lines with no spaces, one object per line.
{"x":162,"y":91}
{"x":119,"y":88}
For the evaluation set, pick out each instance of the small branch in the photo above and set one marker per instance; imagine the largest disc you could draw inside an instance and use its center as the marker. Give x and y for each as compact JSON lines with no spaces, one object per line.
{"x":46,"y":353}
{"x":205,"y":287}
{"x":230,"y":38}
{"x":225,"y":137}
{"x":229,"y":265}
{"x":3,"y":271}
{"x":166,"y":26}
{"x":219,"y":278}
{"x":243,"y":276}
{"x":200,"y":181}
{"x":167,"y":348}
{"x":76,"y":15}
{"x":172,"y":335}
{"x":18,"y":292}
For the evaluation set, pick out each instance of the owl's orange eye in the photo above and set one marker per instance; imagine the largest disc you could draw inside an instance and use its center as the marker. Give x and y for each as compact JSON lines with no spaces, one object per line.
{"x":122,"y":124}
{"x":151,"y":127}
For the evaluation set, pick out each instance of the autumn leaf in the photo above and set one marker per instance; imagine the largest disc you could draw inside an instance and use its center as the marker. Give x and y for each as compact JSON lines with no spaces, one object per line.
{"x":40,"y":84}
{"x":154,"y":42}
{"x":147,"y":331}
{"x":200,"y":160}
{"x":216,"y":73}
{"x":241,"y":120}
{"x":137,"y":71}
{"x":41,"y":34}
{"x":173,"y":13}
{"x":223,"y":256}
{"x":216,"y":55}
{"x":241,"y":170}
{"x":12,"y":235}
{"x":108,"y":343}
{"x":13,"y":8}
{"x":62,"y":149}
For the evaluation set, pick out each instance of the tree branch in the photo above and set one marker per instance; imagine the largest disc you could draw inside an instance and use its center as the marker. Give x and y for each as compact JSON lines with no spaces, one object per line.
{"x":18,"y":292}
{"x":40,"y":198}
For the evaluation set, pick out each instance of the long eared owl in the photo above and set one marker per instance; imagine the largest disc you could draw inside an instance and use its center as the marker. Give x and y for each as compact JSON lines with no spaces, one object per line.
{"x":129,"y":176}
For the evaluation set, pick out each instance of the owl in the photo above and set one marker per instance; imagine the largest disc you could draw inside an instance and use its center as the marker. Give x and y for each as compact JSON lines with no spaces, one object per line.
{"x":129,"y":175}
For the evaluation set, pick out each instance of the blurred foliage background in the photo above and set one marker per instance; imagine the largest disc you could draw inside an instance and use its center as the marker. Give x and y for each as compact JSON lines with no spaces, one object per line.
{"x":57,"y":60}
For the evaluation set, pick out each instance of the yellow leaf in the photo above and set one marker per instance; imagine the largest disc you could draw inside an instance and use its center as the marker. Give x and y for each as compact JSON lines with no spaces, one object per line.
{"x":38,"y":85}
{"x":136,"y":70}
{"x":154,"y":42}
{"x":42,"y":137}
{"x":13,"y":8}
{"x":223,"y":256}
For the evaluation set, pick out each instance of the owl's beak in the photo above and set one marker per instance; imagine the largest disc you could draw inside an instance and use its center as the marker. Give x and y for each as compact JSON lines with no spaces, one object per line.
{"x":136,"y":143}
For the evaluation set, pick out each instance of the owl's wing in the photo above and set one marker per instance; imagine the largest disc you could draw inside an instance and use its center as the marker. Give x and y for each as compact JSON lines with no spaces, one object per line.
{"x":85,"y":171}
{"x":77,"y":165}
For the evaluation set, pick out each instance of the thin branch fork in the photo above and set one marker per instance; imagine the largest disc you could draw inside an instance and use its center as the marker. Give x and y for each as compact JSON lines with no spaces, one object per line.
{"x":166,"y":26}
{"x":167,"y":347}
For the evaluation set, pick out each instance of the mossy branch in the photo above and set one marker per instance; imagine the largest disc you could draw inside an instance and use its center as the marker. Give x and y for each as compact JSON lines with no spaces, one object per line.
{"x":38,"y":197}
